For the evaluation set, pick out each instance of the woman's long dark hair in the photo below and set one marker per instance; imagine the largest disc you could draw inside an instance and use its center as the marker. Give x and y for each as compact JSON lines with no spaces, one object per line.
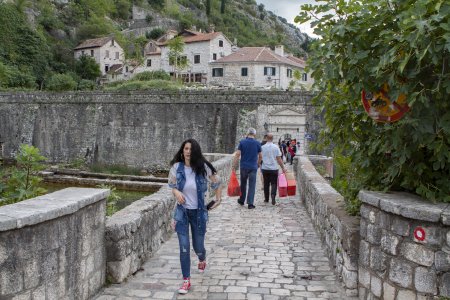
{"x":198,"y":161}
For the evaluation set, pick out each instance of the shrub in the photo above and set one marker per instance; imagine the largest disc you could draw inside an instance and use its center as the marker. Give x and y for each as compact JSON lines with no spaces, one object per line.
{"x":155,"y":33}
{"x":21,"y":182}
{"x":61,"y":82}
{"x":148,"y":19}
{"x":151,"y":75}
{"x":157,"y":84}
{"x":86,"y":85}
{"x":12,"y":77}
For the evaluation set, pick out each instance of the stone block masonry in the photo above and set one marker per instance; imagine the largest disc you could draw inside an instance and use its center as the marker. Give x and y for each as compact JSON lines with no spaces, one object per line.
{"x":408,"y":243}
{"x":339,"y":231}
{"x":136,"y":232}
{"x":52,"y":247}
{"x":139,"y":129}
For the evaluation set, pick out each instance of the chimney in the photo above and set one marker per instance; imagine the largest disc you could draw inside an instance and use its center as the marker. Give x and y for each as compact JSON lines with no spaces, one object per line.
{"x":211,"y":27}
{"x":279,"y":50}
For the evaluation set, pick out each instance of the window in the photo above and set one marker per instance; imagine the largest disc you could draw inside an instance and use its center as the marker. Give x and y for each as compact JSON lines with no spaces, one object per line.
{"x":126,"y":69}
{"x":217,"y":72}
{"x":107,"y":53}
{"x":289,"y":73}
{"x":117,"y":55}
{"x":112,"y":42}
{"x":305,"y":77}
{"x":269,"y":71}
{"x":214,"y":56}
{"x":106,"y":68}
{"x":92,"y":52}
{"x":149,"y":62}
{"x":180,"y":60}
{"x":197,"y":59}
{"x":220,"y":43}
{"x":244,"y":71}
{"x":82,"y":52}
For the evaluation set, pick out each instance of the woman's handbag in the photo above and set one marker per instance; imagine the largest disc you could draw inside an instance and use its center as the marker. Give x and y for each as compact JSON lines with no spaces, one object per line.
{"x":233,"y":186}
{"x":282,"y":186}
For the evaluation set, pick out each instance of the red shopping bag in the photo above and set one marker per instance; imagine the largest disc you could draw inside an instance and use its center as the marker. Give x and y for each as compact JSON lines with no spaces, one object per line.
{"x":291,"y":184}
{"x":282,"y":185}
{"x":233,"y":186}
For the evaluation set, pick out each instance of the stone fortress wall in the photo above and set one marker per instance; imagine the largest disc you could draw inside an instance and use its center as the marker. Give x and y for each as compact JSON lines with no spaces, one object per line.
{"x":136,"y":129}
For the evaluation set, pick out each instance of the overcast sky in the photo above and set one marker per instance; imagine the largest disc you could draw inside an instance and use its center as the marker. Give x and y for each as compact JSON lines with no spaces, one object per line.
{"x":288,"y":9}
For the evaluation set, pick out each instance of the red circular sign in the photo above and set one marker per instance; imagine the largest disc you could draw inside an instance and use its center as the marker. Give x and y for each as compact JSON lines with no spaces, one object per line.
{"x":419,"y":234}
{"x":381,"y":108}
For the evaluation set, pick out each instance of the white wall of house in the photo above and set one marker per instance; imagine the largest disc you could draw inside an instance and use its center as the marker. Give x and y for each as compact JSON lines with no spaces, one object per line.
{"x":232,"y":75}
{"x":106,"y":55}
{"x":205,"y":50}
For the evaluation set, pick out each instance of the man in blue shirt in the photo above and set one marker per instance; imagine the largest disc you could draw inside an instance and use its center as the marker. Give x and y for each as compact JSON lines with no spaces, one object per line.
{"x":249,"y":150}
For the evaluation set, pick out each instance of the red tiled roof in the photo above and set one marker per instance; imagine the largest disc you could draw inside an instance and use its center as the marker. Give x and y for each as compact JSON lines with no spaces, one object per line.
{"x":257,"y":54}
{"x":297,"y":60}
{"x":190,"y":36}
{"x":93,"y":43}
{"x":115,"y":69}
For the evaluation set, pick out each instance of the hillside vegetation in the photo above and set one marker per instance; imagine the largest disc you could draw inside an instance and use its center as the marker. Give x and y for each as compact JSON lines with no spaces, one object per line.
{"x":38,"y":36}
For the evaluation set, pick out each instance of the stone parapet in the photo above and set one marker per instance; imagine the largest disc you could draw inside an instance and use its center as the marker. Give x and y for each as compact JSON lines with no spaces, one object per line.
{"x":405,"y":247}
{"x":136,"y":232}
{"x":338,"y":230}
{"x":325,"y":162}
{"x":52,"y":247}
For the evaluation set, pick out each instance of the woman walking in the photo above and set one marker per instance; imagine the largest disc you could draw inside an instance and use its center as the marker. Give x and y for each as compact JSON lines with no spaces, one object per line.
{"x":188,"y":178}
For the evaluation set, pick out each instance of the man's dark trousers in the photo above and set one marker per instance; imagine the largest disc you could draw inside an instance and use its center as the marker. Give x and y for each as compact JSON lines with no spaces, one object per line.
{"x":270,"y":180}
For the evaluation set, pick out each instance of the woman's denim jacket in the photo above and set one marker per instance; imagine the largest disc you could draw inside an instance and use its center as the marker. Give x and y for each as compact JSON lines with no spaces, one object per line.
{"x":180,"y":213}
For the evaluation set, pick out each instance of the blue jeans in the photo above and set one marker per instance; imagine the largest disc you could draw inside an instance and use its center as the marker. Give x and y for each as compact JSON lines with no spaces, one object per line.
{"x":198,"y":242}
{"x":250,"y":175}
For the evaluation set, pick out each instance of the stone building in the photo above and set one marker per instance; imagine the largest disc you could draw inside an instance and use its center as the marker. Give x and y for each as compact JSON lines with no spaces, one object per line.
{"x":106,"y":52}
{"x":199,"y":50}
{"x":258,"y":67}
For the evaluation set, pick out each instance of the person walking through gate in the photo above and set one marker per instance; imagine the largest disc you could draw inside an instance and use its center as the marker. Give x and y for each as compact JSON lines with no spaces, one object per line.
{"x":188,"y":178}
{"x":271,"y":156}
{"x":249,"y":150}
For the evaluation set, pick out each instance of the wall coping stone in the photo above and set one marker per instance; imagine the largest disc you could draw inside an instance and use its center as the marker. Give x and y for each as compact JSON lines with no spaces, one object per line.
{"x":407,"y":205}
{"x":48,"y":207}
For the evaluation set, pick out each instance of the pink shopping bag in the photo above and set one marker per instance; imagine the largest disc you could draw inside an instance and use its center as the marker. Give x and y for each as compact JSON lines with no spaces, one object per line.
{"x":282,"y":185}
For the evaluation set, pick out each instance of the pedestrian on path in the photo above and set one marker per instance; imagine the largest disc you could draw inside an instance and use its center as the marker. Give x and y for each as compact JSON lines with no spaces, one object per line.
{"x":249,"y":150}
{"x":271,"y":159}
{"x":188,"y":178}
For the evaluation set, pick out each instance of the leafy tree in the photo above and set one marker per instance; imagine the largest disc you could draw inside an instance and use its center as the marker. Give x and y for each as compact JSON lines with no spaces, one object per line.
{"x":208,"y":7}
{"x":401,"y":43}
{"x":158,"y":4}
{"x":176,"y":57}
{"x":86,"y":85}
{"x":87,"y":68}
{"x":123,"y":9}
{"x":222,"y":6}
{"x":61,"y":82}
{"x":12,"y":77}
{"x":22,"y":182}
{"x":95,"y":27}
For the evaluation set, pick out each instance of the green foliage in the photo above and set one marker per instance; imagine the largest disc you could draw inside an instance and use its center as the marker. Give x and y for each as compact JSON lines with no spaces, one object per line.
{"x":21,"y":182}
{"x":158,"y":4}
{"x":123,"y":9}
{"x":12,"y":77}
{"x":133,"y":85}
{"x":176,"y":58}
{"x":405,"y":44}
{"x":61,"y":82}
{"x":87,"y":68}
{"x":155,"y":33}
{"x":95,"y":26}
{"x":151,"y":75}
{"x":111,"y":201}
{"x":86,"y":85}
{"x":20,"y":46}
{"x":148,"y":19}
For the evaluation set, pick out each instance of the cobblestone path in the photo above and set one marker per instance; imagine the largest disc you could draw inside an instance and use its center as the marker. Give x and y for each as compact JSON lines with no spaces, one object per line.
{"x":267,"y":253}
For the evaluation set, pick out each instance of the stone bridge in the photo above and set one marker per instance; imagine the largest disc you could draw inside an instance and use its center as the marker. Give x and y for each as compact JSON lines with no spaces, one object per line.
{"x":61,"y":246}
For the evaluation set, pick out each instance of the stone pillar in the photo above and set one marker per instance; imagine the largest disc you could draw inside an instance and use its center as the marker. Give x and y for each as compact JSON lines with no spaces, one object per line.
{"x":404,"y":250}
